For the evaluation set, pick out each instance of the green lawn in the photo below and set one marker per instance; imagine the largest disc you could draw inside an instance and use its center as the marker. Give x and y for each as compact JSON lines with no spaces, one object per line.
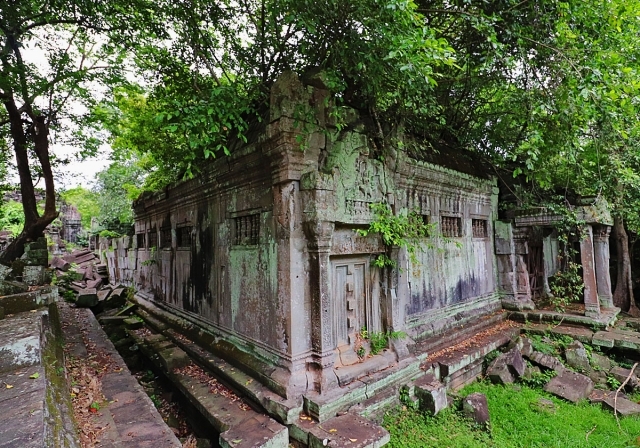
{"x":516,"y":421}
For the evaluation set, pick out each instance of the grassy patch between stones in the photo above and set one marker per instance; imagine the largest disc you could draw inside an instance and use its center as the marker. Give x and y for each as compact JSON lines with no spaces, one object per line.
{"x":520,"y":417}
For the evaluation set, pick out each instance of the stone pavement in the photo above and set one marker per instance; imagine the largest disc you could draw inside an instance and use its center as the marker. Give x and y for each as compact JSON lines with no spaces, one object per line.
{"x":35,"y":403}
{"x":33,"y":409}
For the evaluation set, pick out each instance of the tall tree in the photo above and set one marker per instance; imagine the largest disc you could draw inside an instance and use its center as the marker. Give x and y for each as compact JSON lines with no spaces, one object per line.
{"x":55,"y":55}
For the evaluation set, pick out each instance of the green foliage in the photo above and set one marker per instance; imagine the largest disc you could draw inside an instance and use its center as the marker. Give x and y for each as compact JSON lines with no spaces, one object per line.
{"x":116,"y":188}
{"x":613,"y":382}
{"x":11,"y":217}
{"x":538,"y":380}
{"x":378,"y":340}
{"x":85,"y":201}
{"x":566,"y":286}
{"x":517,"y":420}
{"x":109,"y":234}
{"x":402,"y":230}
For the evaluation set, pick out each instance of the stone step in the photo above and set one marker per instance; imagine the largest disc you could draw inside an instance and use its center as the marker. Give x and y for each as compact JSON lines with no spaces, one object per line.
{"x":329,"y":404}
{"x":454,"y":359}
{"x":582,"y":334}
{"x":239,"y":425}
{"x":348,"y":430}
{"x":286,"y":411}
{"x":457,"y":334}
{"x":618,"y":339}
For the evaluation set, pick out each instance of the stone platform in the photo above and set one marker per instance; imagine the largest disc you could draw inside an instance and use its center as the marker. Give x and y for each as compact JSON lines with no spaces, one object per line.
{"x":35,"y":410}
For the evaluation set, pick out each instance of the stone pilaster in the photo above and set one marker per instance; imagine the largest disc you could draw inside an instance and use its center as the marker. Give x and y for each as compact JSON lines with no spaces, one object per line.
{"x":601,"y":259}
{"x":319,"y":234}
{"x":591,"y":302}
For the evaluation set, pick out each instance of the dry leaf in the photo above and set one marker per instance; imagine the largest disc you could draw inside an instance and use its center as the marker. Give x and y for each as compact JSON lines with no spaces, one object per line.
{"x":353,"y":440}
{"x":8,"y":386}
{"x":333,"y":430}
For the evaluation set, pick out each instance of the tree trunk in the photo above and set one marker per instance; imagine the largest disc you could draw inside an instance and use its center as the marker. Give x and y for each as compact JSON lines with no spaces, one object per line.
{"x":623,"y":295}
{"x":34,"y":224}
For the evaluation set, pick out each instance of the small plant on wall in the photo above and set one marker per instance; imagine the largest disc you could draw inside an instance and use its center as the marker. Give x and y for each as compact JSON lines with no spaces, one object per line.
{"x":402,"y":230}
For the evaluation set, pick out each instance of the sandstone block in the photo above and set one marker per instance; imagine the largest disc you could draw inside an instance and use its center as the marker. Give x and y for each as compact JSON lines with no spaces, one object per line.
{"x":576,"y":356}
{"x":570,"y":385}
{"x":87,"y":298}
{"x":475,"y":408}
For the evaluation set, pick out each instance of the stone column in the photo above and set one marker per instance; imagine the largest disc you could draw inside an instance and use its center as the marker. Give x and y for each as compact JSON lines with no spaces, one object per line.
{"x":521,"y":249}
{"x":591,"y":302}
{"x":601,"y":258}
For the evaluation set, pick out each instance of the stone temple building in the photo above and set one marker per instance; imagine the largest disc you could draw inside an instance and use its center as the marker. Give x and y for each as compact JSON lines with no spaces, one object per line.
{"x":261,"y":251}
{"x":262,"y":248}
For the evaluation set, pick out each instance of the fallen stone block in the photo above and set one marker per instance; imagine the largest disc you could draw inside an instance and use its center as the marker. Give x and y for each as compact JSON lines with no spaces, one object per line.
{"x":570,"y":385}
{"x":600,"y":362}
{"x":526,"y":348}
{"x":87,"y":298}
{"x":499,"y":373}
{"x":598,"y":395}
{"x":547,"y":361}
{"x":598,"y":377}
{"x":621,"y":374}
{"x":576,"y":356}
{"x":348,"y":430}
{"x":95,"y":284}
{"x":60,"y":264}
{"x":475,"y":408}
{"x":431,"y":394}
{"x":622,"y":406}
{"x":132,"y":323}
{"x":515,"y":362}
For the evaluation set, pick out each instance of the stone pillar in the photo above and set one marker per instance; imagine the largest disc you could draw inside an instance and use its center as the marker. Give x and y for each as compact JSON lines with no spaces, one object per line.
{"x":521,"y":249}
{"x":591,"y":302}
{"x":510,"y":268}
{"x":601,"y":258}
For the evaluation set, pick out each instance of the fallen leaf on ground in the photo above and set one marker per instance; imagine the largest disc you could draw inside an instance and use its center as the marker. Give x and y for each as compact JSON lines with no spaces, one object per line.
{"x":35,"y":376}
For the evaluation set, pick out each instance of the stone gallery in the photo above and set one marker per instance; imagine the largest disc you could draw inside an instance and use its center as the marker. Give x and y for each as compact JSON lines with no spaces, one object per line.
{"x":261,"y":251}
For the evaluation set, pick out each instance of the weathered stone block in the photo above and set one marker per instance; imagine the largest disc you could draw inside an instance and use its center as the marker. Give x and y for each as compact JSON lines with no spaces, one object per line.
{"x":174,"y":358}
{"x":475,"y":408}
{"x":515,"y":362}
{"x":547,"y":361}
{"x":621,"y":374}
{"x":59,"y":263}
{"x":499,"y":373}
{"x":600,"y":362}
{"x":431,"y":394}
{"x":87,"y":298}
{"x":34,"y":275}
{"x":570,"y":385}
{"x":622,"y":406}
{"x":256,"y":432}
{"x":132,"y":323}
{"x":576,"y":356}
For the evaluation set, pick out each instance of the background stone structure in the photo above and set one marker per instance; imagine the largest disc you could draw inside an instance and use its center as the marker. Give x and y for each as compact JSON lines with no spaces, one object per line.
{"x":261,"y":249}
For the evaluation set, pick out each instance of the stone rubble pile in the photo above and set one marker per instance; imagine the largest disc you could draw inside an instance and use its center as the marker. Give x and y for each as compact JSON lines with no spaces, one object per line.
{"x":82,"y":273}
{"x":576,"y":379}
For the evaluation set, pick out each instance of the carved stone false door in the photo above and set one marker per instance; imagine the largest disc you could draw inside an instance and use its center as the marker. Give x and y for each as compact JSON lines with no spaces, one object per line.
{"x":352,"y":306}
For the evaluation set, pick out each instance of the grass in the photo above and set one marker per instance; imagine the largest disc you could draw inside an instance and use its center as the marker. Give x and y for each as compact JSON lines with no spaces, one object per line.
{"x":516,"y":421}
